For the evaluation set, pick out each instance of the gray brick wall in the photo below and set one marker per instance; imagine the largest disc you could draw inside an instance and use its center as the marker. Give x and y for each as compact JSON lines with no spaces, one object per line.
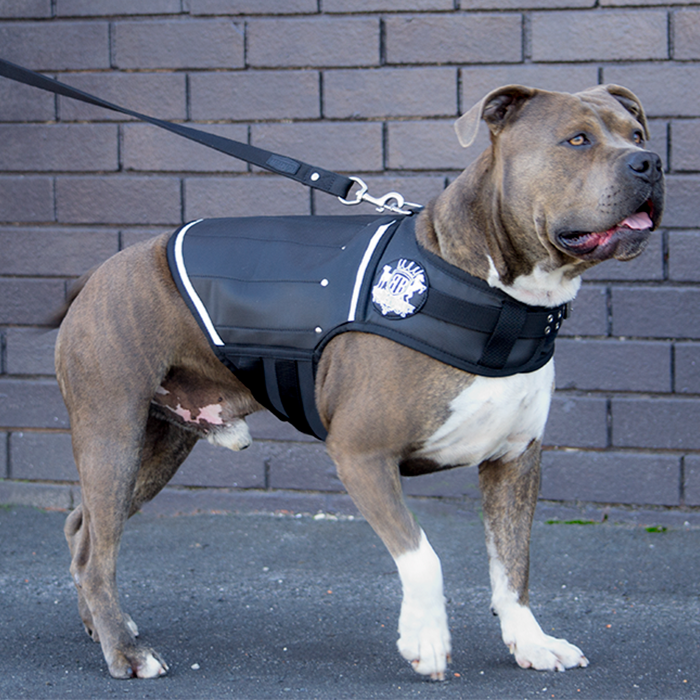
{"x":369,"y":87}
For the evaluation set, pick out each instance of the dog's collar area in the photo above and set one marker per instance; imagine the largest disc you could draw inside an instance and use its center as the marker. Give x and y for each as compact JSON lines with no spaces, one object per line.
{"x":271,"y":293}
{"x":505,"y":320}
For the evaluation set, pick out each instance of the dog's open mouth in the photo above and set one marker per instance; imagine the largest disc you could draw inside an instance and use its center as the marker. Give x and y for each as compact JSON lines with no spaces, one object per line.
{"x":581,"y":243}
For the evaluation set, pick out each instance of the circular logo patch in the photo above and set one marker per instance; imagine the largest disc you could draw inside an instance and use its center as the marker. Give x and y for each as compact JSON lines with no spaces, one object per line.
{"x":400,"y":289}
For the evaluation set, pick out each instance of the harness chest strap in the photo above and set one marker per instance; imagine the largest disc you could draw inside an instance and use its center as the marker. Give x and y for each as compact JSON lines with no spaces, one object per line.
{"x":270,"y":293}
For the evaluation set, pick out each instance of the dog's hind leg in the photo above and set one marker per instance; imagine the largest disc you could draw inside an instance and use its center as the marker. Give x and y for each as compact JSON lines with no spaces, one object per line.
{"x":108,"y":470}
{"x":94,"y":543}
{"x":509,"y":492}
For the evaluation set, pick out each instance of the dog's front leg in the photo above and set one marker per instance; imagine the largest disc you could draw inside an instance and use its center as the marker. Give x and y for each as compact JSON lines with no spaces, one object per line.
{"x":372,"y":480}
{"x":509,"y":492}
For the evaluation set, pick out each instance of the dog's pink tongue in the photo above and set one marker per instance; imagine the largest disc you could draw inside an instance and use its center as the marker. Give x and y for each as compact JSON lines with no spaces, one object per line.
{"x":638,"y":222}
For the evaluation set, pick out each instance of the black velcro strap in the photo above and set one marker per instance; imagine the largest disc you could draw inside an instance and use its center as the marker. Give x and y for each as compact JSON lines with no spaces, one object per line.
{"x":305,"y":371}
{"x":274,"y":400}
{"x":459,"y":312}
{"x":290,"y":391}
{"x":510,"y":323}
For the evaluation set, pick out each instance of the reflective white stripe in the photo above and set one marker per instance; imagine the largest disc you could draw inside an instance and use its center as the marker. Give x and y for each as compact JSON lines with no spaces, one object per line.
{"x":180,"y":262}
{"x":363,"y":268}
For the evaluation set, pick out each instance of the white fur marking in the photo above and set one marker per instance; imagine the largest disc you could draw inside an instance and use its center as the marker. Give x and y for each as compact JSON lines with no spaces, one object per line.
{"x":493,"y":417}
{"x":521,"y":632}
{"x":424,"y":637}
{"x":152,"y":668}
{"x":541,"y":287}
{"x":235,"y":436}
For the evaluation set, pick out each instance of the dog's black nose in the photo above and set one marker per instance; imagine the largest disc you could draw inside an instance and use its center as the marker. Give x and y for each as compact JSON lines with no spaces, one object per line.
{"x":646,"y":165}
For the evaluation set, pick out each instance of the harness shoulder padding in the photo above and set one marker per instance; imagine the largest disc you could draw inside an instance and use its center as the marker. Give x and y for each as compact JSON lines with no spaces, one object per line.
{"x":270,"y":293}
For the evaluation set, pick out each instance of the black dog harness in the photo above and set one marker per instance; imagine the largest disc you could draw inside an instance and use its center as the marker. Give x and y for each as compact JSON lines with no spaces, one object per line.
{"x":270,"y":293}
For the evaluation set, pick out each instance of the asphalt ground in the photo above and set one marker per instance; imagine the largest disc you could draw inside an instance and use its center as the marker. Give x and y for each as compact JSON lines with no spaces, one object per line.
{"x":265,"y":606}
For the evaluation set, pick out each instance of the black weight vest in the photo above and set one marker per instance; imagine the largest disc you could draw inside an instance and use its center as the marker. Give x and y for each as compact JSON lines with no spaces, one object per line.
{"x":271,"y":292}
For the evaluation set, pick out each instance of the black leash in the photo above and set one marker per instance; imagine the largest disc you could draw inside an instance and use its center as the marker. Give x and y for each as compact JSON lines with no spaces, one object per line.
{"x":309,"y":175}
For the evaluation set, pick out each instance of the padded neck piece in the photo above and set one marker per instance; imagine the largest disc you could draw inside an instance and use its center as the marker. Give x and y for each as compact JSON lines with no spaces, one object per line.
{"x":271,"y":292}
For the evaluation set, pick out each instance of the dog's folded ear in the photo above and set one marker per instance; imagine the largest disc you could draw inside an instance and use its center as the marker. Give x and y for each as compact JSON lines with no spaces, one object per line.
{"x":625,"y":97}
{"x":631,"y":103}
{"x":496,"y":109}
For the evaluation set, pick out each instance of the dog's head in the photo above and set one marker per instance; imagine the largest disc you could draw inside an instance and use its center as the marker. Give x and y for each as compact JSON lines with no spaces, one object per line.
{"x":573,"y":166}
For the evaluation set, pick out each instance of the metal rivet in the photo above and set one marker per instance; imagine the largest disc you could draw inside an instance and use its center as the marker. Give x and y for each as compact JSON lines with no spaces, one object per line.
{"x":315,"y":177}
{"x":324,"y":283}
{"x":547,"y":330}
{"x":550,"y":318}
{"x":318,"y":329}
{"x":558,"y":326}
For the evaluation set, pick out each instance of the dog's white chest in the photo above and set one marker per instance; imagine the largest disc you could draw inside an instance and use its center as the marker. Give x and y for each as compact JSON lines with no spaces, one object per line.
{"x":493,"y":417}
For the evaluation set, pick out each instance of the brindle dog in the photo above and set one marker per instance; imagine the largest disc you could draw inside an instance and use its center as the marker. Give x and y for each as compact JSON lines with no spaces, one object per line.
{"x":566,"y":183}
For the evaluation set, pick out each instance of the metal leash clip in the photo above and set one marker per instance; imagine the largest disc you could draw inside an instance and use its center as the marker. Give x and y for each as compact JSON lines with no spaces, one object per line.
{"x":382,"y":203}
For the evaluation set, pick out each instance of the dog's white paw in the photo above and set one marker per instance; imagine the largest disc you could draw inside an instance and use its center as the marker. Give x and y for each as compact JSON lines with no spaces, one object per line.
{"x":533,"y":648}
{"x":135,"y":662}
{"x":424,"y":637}
{"x":150,"y":667}
{"x":548,"y":654}
{"x":424,"y":640}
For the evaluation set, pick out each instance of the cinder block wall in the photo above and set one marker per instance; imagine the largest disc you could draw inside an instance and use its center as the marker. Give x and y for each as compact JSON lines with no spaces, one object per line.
{"x":368,"y":87}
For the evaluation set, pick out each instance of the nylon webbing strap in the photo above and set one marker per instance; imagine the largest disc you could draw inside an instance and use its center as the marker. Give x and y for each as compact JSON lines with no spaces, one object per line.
{"x":309,"y":175}
{"x":510,"y":322}
{"x":484,"y":318}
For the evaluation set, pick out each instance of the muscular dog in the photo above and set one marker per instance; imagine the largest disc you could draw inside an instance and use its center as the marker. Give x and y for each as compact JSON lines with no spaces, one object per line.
{"x":565,"y":184}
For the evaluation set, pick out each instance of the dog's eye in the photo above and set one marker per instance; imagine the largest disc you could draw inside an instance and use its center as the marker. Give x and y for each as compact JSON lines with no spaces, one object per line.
{"x":638,"y":138}
{"x":578,"y":140}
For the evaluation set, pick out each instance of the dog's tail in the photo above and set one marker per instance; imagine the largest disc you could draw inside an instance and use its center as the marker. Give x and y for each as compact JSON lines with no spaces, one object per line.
{"x":56,"y":318}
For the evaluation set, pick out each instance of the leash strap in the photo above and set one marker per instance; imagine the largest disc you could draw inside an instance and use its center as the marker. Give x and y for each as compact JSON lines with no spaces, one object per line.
{"x":309,"y":175}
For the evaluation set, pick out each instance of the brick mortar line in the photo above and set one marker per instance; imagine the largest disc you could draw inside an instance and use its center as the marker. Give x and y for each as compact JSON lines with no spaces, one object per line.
{"x":617,"y":449}
{"x":262,"y":122}
{"x":681,"y":482}
{"x":647,"y":283}
{"x":670,"y":34}
{"x":673,"y":369}
{"x":183,"y":15}
{"x":546,"y":447}
{"x":8,"y":458}
{"x":617,"y":394}
{"x":526,"y":37}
